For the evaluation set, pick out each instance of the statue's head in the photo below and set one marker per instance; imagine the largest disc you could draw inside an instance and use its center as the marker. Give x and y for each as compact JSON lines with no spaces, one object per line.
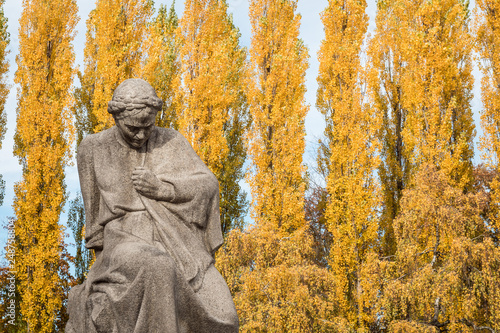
{"x":134,"y":107}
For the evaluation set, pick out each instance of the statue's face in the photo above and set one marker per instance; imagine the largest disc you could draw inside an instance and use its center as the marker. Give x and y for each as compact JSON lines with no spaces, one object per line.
{"x":137,"y":128}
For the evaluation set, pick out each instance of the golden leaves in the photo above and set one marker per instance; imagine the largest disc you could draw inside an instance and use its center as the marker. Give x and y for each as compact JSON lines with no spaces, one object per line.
{"x":442,"y":274}
{"x":275,"y":286}
{"x":270,"y":269}
{"x":276,"y":98}
{"x":162,"y":64}
{"x":430,"y":80}
{"x":4,"y":67}
{"x":350,"y":161}
{"x":421,"y":79}
{"x":210,"y":102}
{"x":44,"y":134}
{"x":213,"y":65}
{"x":113,"y":53}
{"x":488,"y":42}
{"x":421,"y":84}
{"x":413,"y":246}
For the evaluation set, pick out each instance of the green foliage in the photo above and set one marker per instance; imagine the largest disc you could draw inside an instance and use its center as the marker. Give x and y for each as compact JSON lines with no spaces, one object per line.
{"x":76,"y":221}
{"x":233,"y":201}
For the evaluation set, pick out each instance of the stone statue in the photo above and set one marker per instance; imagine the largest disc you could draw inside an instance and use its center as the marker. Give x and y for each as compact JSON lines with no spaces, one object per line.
{"x":152,"y":217}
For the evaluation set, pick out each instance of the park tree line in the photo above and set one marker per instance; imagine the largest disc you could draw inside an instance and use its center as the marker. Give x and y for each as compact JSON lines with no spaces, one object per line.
{"x":394,"y":229}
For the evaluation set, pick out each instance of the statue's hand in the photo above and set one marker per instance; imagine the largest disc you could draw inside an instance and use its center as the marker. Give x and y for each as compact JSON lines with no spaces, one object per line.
{"x":146,"y":183}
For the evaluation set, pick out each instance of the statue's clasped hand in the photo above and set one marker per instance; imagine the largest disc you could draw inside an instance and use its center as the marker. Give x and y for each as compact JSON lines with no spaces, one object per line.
{"x":146,"y":183}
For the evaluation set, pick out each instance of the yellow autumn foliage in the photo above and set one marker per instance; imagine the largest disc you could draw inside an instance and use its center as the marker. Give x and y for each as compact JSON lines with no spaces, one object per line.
{"x":270,"y":267}
{"x":445,"y":273}
{"x":212,"y":67}
{"x":276,"y":98}
{"x":275,"y":284}
{"x":351,"y":212}
{"x":410,"y":228}
{"x":113,"y":53}
{"x":421,"y":81}
{"x":162,"y":64}
{"x":210,"y":102}
{"x":42,"y":140}
{"x":4,"y":88}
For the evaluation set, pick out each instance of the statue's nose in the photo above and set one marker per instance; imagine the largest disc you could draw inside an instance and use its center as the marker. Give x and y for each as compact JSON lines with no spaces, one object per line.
{"x":140,"y":135}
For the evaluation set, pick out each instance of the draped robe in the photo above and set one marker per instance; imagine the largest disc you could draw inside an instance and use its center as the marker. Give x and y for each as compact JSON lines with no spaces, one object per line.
{"x":154,"y":269}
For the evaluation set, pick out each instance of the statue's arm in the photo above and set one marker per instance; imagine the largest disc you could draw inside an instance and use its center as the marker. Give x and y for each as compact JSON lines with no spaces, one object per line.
{"x":147,"y":183}
{"x":192,"y":178}
{"x":90,"y":194}
{"x":195,"y":181}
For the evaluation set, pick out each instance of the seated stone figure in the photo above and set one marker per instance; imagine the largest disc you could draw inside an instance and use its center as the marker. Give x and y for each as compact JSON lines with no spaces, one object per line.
{"x":152,"y":217}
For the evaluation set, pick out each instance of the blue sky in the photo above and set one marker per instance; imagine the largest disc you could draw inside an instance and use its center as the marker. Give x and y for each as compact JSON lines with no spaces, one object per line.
{"x":311,"y":32}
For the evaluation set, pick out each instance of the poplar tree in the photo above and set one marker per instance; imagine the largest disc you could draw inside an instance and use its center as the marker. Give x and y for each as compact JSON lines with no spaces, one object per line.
{"x":162,"y":65}
{"x":438,"y":89}
{"x":211,"y":109}
{"x":421,"y":82}
{"x":4,"y":88}
{"x":387,"y":68}
{"x":278,"y":109}
{"x":113,"y":53}
{"x":348,"y":155}
{"x":270,"y":268}
{"x":42,"y":143}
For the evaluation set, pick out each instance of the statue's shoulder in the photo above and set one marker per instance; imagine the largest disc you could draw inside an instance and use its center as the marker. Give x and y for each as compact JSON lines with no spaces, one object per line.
{"x":172,"y":142}
{"x":97,"y":139}
{"x":93,"y":141}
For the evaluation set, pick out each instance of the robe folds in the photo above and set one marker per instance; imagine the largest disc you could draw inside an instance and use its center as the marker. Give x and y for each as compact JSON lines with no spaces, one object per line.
{"x":154,"y":270}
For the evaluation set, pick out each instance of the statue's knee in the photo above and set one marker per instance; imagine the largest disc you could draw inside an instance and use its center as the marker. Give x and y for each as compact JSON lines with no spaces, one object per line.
{"x":159,"y":264}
